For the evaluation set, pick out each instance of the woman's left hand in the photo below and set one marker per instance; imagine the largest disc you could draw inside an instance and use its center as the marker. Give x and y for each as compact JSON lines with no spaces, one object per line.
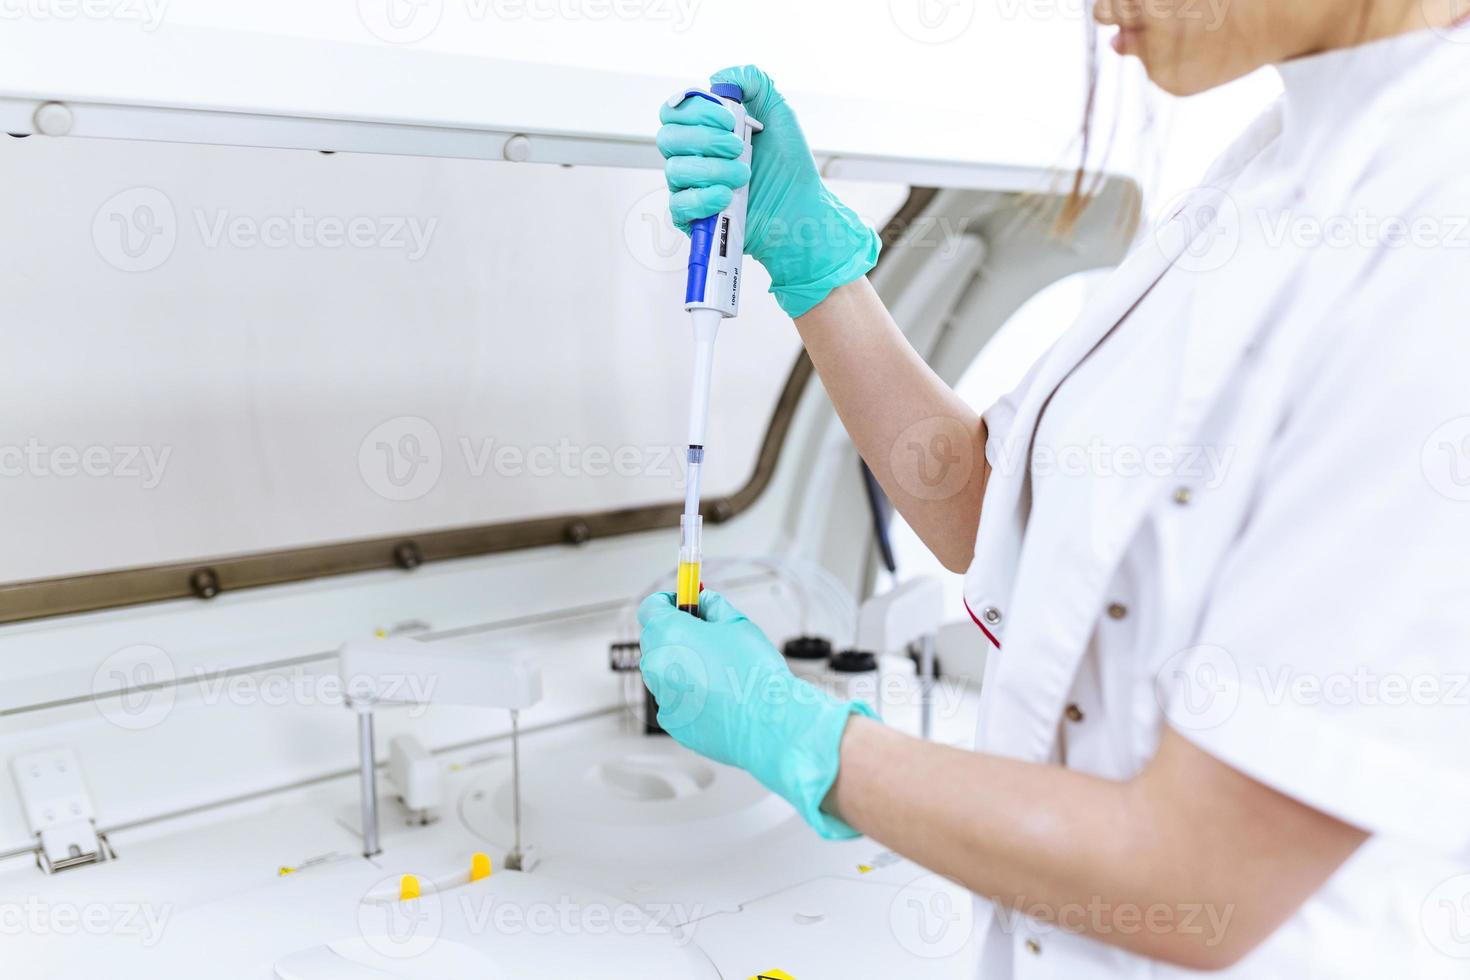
{"x":724,"y":691}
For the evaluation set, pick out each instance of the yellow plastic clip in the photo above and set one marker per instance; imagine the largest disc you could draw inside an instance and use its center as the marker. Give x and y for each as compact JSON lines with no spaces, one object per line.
{"x":479,"y":867}
{"x":408,"y":887}
{"x":773,"y":975}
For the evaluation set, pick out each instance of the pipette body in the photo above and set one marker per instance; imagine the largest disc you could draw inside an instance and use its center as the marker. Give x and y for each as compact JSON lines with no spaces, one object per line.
{"x":712,"y":294}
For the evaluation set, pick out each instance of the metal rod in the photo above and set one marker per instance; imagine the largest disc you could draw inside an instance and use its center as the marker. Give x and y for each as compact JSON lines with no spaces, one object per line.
{"x":369,"y":769}
{"x":514,"y":859}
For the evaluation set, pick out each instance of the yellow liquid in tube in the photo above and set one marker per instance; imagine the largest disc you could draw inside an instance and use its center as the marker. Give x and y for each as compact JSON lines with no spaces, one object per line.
{"x":687,"y":594}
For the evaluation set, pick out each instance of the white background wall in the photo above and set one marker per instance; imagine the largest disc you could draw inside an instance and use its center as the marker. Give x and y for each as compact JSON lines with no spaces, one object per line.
{"x":265,"y":372}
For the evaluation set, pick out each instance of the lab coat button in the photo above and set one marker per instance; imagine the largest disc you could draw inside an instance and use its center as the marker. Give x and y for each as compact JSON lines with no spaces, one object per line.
{"x":1183,"y":496}
{"x":1033,"y":946}
{"x":1074,"y":713}
{"x":1117,"y":611}
{"x":991,"y":615}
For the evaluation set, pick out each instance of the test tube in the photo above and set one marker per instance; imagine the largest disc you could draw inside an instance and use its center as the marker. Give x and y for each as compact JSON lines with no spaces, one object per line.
{"x":691,"y":527}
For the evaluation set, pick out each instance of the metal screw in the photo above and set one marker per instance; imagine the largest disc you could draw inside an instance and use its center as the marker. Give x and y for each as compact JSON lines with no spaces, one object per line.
{"x":407,"y":556}
{"x":578,"y":532}
{"x":204,"y":583}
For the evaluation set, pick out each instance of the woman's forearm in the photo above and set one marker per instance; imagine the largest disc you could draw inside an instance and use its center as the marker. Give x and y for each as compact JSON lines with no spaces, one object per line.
{"x":1190,"y":862}
{"x":922,"y":442}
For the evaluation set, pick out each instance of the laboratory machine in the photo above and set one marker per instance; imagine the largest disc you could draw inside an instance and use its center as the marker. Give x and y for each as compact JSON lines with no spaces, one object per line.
{"x":342,"y":469}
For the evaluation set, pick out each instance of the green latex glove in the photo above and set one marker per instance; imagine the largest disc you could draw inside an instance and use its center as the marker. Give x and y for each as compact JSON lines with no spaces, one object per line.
{"x":724,"y":691}
{"x":808,"y":240}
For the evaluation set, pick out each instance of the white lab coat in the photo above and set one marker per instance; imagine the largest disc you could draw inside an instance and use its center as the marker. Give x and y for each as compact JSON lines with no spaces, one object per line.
{"x":1304,"y":614}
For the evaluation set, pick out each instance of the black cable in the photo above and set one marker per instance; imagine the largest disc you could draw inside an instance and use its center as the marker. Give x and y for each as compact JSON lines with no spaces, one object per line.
{"x":881,"y":510}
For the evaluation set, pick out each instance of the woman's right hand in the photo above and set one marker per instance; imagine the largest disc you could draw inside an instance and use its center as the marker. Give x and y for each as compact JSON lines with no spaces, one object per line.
{"x":808,"y":240}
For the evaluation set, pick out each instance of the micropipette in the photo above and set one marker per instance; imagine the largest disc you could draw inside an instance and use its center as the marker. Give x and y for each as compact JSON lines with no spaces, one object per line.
{"x":716,"y":247}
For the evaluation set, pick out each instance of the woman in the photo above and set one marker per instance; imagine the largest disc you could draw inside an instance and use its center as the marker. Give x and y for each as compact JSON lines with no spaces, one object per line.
{"x":1225,"y":725}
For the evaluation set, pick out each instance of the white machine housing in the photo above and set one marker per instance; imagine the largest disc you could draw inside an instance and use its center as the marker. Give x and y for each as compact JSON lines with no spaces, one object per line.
{"x":222,"y":810}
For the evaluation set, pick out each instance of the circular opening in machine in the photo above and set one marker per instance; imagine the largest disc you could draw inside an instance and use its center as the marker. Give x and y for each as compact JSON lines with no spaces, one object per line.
{"x":651,"y":778}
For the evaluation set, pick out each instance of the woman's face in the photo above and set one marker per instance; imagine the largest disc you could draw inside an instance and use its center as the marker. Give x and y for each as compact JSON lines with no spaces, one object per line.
{"x":1189,"y":46}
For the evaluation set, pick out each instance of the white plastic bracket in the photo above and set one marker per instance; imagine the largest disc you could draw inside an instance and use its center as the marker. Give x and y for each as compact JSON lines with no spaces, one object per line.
{"x":58,"y":809}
